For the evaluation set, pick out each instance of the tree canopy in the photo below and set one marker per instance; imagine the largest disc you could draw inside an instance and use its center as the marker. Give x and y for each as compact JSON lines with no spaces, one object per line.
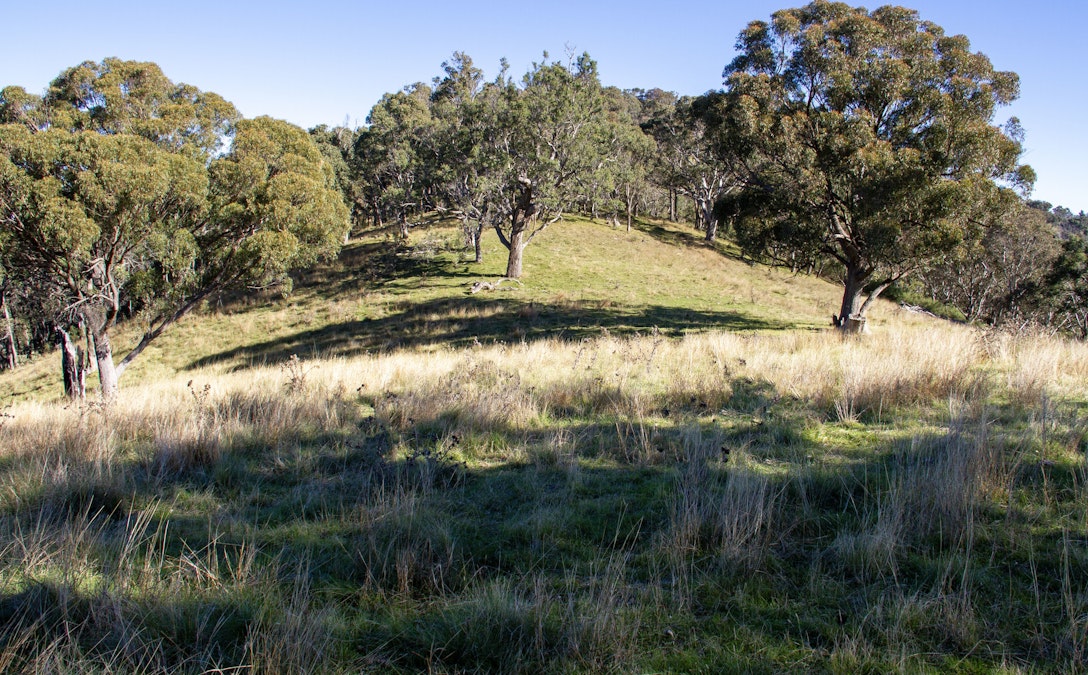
{"x":868,"y":137}
{"x":114,"y":197}
{"x":133,"y":97}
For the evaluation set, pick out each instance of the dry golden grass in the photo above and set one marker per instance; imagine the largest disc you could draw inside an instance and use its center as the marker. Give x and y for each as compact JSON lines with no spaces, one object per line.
{"x":525,"y":386}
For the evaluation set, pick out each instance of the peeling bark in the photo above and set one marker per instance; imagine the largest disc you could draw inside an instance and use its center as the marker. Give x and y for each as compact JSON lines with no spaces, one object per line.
{"x":9,"y":333}
{"x":72,"y":368}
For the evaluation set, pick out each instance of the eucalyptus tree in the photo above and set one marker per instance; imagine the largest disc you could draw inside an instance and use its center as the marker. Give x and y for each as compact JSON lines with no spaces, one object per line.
{"x":657,"y":119}
{"x":17,"y":106}
{"x":112,"y":211}
{"x":11,"y":347}
{"x":136,"y":98}
{"x":630,"y":167}
{"x":544,"y":139}
{"x":337,"y":147}
{"x":395,"y":154}
{"x":868,"y":137}
{"x":510,"y":155}
{"x":693,"y":159}
{"x":505,"y":155}
{"x":997,"y":275}
{"x":1066,"y":287}
{"x":79,"y":208}
{"x":466,"y":110}
{"x":672,"y":141}
{"x":624,"y":153}
{"x":690,"y":160}
{"x":710,"y":168}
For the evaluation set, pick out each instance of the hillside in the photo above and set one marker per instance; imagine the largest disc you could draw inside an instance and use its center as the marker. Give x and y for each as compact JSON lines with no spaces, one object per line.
{"x":580,"y":277}
{"x":650,"y":457}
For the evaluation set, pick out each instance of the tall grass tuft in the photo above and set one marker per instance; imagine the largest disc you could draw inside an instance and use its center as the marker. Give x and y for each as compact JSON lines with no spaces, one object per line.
{"x":941,"y":481}
{"x":291,"y":634}
{"x":723,"y":511}
{"x":404,"y":547}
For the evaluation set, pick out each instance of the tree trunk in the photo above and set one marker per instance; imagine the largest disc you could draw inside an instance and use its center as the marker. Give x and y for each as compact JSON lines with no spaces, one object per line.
{"x":71,"y":364}
{"x":520,"y":219}
{"x":88,"y":339}
{"x":9,"y":333}
{"x":108,"y":373}
{"x":855,"y":325}
{"x":672,"y":206}
{"x":711,"y":230}
{"x":711,"y":227}
{"x":517,"y":249}
{"x":630,"y":204}
{"x":376,"y":210}
{"x":871,"y":298}
{"x":477,"y":242}
{"x":850,"y":318}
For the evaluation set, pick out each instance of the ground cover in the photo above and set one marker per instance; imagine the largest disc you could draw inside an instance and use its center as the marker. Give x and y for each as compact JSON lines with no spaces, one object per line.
{"x":651,"y":457}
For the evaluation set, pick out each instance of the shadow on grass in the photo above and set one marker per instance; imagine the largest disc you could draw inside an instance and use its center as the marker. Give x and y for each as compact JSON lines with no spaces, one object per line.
{"x":360,"y":266}
{"x":378,"y":512}
{"x":471,"y":320}
{"x":367,"y":265}
{"x":682,"y":235}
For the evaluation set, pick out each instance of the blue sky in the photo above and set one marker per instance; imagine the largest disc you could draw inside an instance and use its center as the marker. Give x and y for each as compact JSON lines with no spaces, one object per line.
{"x":328,"y":61}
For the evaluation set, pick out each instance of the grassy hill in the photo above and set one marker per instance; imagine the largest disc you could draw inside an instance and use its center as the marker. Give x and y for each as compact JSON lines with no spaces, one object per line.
{"x":580,"y":277}
{"x":648,"y":457}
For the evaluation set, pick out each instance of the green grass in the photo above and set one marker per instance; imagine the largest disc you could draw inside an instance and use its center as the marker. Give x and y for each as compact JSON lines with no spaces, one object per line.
{"x":581,"y":278}
{"x":645,"y":459}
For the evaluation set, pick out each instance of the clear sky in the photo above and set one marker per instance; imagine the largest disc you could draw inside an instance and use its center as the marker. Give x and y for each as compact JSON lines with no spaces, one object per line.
{"x":329,"y":61}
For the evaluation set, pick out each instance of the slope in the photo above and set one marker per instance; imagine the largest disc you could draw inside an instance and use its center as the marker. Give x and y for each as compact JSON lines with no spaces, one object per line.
{"x":384,"y":473}
{"x":581,"y":278}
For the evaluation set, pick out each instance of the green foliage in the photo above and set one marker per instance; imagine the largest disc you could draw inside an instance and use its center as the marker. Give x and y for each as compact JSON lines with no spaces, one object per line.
{"x":499,"y":155}
{"x":998,"y":274}
{"x":78,"y":206}
{"x":1067,"y":285}
{"x":336,"y":145}
{"x":113,"y":198}
{"x":869,"y":140}
{"x":621,"y":176}
{"x":392,"y":153}
{"x":131,"y":97}
{"x":694,"y":158}
{"x":19,"y":107}
{"x":275,"y":207}
{"x":916,"y":298}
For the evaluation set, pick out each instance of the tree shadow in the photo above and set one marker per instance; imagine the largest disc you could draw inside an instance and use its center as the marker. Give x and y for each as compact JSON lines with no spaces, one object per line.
{"x":679,"y":236}
{"x":464,"y":321}
{"x":395,"y":509}
{"x":362,"y":265}
{"x":376,"y":265}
